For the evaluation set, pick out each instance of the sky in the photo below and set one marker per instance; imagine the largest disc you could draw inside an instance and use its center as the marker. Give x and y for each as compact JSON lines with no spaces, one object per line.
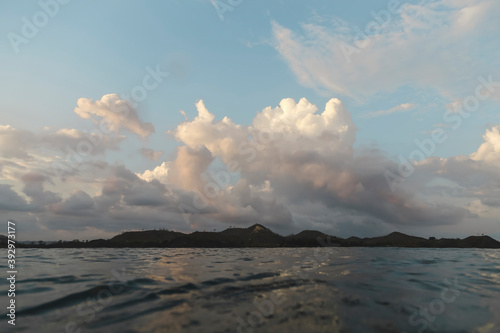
{"x":349,"y":117}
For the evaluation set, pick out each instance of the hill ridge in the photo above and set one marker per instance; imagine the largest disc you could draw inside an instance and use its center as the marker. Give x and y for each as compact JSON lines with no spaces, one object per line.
{"x":258,"y":235}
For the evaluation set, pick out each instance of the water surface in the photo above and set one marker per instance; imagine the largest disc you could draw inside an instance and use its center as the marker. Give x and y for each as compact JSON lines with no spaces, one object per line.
{"x":257,"y":290}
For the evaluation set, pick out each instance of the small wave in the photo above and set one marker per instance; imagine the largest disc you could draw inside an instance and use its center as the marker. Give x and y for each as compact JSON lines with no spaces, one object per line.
{"x":34,"y":290}
{"x":183,"y":289}
{"x":427,"y":262}
{"x":65,"y":301}
{"x":142,"y":281}
{"x":217,"y":281}
{"x":259,"y":276}
{"x":148,"y":298}
{"x":111,"y":320}
{"x":55,"y":279}
{"x":84,"y":295}
{"x":245,"y":259}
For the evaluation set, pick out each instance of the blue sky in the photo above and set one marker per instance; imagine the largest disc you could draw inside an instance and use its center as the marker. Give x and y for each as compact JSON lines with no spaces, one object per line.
{"x":240,"y":57}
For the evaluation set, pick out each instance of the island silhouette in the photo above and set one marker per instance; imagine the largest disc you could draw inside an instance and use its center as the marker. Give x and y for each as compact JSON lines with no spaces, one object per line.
{"x":259,"y":236}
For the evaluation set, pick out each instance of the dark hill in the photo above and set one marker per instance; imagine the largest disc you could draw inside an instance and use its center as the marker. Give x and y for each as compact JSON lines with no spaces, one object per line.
{"x":259,"y":236}
{"x":311,"y":238}
{"x":145,"y":238}
{"x":396,"y":239}
{"x":255,"y":236}
{"x":482,"y":242}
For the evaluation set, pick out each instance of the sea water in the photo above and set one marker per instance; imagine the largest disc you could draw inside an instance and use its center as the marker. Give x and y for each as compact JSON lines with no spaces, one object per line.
{"x":256,"y":290}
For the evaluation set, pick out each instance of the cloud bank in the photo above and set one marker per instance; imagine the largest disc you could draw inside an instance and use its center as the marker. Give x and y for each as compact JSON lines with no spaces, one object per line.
{"x":295,"y":167}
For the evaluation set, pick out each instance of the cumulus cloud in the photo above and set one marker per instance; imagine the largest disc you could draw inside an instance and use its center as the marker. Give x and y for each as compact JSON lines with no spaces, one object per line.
{"x":489,"y":151}
{"x":430,"y":45}
{"x":302,"y":156}
{"x":292,"y":120}
{"x":221,"y":138}
{"x":159,"y":173}
{"x":473,"y":179}
{"x":116,"y":114}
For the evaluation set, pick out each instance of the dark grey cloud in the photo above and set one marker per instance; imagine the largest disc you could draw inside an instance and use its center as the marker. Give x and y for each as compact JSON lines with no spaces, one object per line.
{"x":11,"y":201}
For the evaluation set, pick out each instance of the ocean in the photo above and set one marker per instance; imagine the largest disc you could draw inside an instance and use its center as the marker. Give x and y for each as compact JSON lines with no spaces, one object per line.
{"x":256,"y":290}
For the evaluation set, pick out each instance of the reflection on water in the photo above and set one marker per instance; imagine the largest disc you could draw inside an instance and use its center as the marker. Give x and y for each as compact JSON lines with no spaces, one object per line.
{"x":258,"y":290}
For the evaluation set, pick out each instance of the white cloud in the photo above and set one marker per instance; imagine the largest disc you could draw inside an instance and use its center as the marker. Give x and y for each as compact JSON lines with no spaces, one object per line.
{"x":116,"y":112}
{"x":473,"y":179}
{"x":221,"y":138}
{"x":489,"y":151}
{"x":159,"y":173}
{"x":293,"y":120}
{"x":15,"y":143}
{"x":433,"y":44}
{"x":398,"y":108}
{"x":29,"y":151}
